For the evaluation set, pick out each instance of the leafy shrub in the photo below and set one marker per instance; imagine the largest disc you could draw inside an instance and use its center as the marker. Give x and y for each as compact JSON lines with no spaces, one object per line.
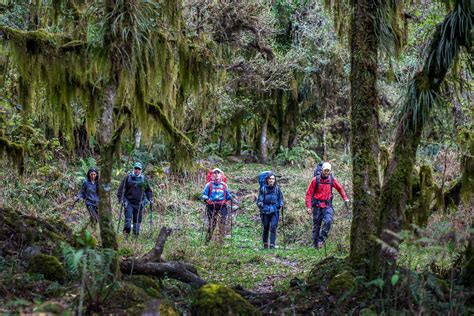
{"x":296,"y":156}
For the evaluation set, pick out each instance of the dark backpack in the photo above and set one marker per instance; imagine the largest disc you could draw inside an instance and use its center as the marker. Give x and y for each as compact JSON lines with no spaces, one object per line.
{"x":261,"y":182}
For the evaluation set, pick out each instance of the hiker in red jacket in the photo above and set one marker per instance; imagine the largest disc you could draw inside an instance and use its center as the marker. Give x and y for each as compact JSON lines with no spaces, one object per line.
{"x":319,"y":203}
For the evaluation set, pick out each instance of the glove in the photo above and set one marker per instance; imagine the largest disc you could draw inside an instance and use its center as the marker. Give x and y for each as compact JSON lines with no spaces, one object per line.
{"x":260,"y":204}
{"x":151,"y":201}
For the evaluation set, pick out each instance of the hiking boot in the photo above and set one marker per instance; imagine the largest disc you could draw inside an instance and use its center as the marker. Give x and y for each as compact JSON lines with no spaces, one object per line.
{"x":320,"y":244}
{"x":272,"y":246}
{"x":265,"y":246}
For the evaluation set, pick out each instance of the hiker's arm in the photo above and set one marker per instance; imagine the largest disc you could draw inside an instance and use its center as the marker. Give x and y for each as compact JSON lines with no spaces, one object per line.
{"x":205,"y":193}
{"x":280,"y":199}
{"x":149,"y":192}
{"x":340,"y":189}
{"x":227,"y":194}
{"x":309,"y":193}
{"x":260,"y":199}
{"x":82,"y":193}
{"x":120,"y":191}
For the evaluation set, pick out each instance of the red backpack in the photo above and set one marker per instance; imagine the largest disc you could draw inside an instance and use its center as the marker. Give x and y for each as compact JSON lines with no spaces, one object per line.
{"x":209,"y":177}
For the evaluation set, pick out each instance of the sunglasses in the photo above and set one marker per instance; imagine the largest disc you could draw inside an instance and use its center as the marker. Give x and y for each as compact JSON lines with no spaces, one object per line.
{"x":136,"y":168}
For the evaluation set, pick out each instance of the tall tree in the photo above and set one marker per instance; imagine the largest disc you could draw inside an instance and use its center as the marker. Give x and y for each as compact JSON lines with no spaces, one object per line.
{"x":423,"y":94}
{"x":121,"y":60}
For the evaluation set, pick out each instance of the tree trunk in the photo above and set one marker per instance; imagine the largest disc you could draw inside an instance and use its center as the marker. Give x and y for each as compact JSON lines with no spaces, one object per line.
{"x":448,"y":38}
{"x":105,"y":133}
{"x":289,"y":122}
{"x":238,"y":135}
{"x":324,"y":131}
{"x":364,"y":132}
{"x":264,"y":139}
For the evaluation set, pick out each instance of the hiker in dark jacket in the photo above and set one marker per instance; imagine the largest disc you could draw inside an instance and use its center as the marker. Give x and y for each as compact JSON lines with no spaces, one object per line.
{"x":90,"y":194}
{"x":319,"y":203}
{"x":134,"y":192}
{"x":269,"y":201}
{"x":216,"y":195}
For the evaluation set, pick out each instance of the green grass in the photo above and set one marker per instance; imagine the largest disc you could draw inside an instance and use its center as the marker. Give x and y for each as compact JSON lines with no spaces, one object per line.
{"x":240,"y":260}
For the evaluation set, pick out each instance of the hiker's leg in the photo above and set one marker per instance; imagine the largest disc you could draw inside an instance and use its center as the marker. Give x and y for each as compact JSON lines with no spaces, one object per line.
{"x":222,"y":220}
{"x":317,"y":219}
{"x":94,"y":217}
{"x":327,"y":222}
{"x":273,"y":228}
{"x":137,"y":224}
{"x":128,"y":218}
{"x":212,"y":217}
{"x":135,"y":220}
{"x":265,"y":228}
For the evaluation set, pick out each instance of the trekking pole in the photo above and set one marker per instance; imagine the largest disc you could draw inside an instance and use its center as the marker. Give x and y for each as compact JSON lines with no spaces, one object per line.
{"x":231,"y":221}
{"x":151,"y":219}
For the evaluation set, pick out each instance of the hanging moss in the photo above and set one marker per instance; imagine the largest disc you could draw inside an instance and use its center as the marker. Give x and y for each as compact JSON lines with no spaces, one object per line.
{"x":14,"y":152}
{"x":467,"y":165}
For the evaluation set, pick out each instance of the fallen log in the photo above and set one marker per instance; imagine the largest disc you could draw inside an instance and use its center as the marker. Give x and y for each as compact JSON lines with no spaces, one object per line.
{"x":151,"y":264}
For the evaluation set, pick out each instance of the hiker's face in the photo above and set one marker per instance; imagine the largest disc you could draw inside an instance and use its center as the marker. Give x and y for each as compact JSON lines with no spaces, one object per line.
{"x":137,"y":171}
{"x":93,"y":175}
{"x":271,"y":180}
{"x":216,"y":175}
{"x":326,"y":172}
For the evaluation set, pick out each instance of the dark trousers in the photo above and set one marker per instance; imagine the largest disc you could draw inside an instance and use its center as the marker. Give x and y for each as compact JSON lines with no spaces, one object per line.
{"x":216,"y":213}
{"x":133,"y":212}
{"x":320,"y":215}
{"x":270,"y":224}
{"x":93,"y":213}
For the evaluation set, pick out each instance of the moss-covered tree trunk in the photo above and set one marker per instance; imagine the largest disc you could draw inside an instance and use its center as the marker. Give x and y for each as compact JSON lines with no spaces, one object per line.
{"x":445,"y":45}
{"x":264,"y":139}
{"x":238,"y":134}
{"x":364,"y":132}
{"x":289,"y":121}
{"x":107,"y":149}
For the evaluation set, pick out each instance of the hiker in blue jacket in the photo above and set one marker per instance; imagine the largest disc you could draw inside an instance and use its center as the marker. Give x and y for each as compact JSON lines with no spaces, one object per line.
{"x":269,"y":201}
{"x":216,"y":195}
{"x":90,"y":194}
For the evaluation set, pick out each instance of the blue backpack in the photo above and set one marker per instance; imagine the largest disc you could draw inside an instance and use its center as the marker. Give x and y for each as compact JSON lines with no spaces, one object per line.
{"x":261,"y":178}
{"x":318,"y":170}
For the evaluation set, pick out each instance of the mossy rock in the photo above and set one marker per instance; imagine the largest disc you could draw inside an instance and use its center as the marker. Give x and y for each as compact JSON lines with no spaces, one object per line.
{"x":151,"y":287}
{"x":367,"y":311}
{"x":48,"y":266}
{"x":50,"y":307}
{"x":159,"y":307}
{"x":129,"y":297}
{"x":47,"y":234}
{"x":324,"y":271}
{"x":214,"y":299}
{"x":341,"y":283}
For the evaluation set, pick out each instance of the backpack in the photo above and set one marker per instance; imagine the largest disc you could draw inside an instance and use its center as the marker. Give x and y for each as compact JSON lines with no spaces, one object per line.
{"x":223,"y":179}
{"x":261,"y":179}
{"x":209,"y":177}
{"x":318,"y":170}
{"x":261,"y":182}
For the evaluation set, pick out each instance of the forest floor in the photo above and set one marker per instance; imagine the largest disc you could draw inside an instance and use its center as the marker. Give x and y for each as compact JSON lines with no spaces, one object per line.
{"x":240,"y":261}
